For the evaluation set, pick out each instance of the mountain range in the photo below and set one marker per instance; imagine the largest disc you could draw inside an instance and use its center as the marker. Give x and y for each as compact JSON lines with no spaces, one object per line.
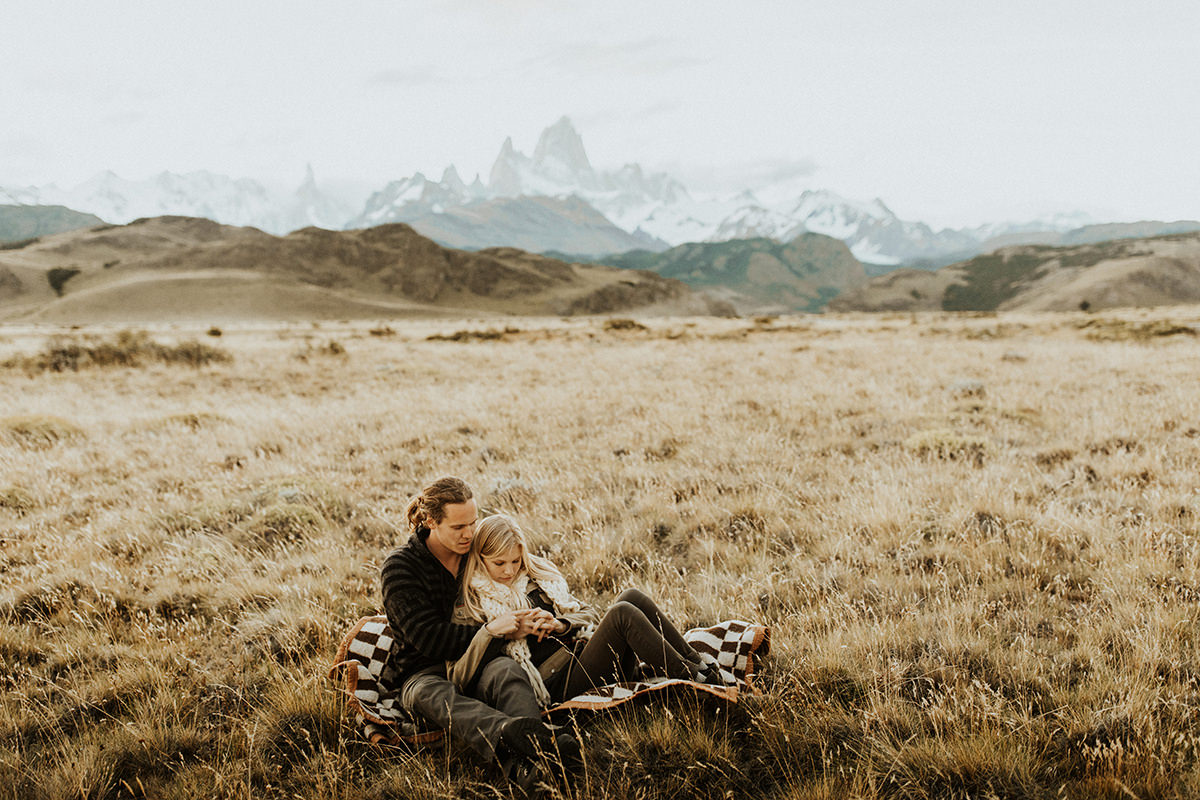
{"x":194,"y":269}
{"x":1151,"y":271}
{"x":554,"y":199}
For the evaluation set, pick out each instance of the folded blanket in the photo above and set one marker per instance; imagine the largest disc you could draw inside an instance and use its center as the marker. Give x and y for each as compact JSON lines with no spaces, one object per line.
{"x":734,"y":645}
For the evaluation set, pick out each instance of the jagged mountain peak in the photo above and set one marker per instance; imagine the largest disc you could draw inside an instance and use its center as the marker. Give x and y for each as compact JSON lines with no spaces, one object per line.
{"x":451,"y":179}
{"x":560,"y":151}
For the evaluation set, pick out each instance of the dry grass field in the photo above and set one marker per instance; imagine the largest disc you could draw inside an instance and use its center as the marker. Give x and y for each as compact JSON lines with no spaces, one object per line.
{"x":976,"y":540}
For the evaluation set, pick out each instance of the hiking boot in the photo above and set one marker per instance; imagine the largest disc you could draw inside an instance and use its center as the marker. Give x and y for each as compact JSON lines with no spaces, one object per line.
{"x":570,"y":758}
{"x":529,"y":778}
{"x":528,"y":737}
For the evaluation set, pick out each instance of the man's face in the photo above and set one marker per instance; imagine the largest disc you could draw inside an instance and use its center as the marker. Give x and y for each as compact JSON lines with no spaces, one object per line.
{"x":457,"y":527}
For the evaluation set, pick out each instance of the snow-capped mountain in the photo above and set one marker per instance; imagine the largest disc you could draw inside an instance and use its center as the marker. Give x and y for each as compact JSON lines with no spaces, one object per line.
{"x":656,"y":207}
{"x":232,"y":201}
{"x":311,"y":206}
{"x":554,"y":199}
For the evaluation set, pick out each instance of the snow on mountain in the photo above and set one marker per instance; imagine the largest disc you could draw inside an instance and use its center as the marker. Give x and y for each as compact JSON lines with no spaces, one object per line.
{"x":232,"y":201}
{"x":196,"y":194}
{"x":560,"y":167}
{"x":651,"y":208}
{"x":658,"y":207}
{"x":21,"y":196}
{"x":312,"y":207}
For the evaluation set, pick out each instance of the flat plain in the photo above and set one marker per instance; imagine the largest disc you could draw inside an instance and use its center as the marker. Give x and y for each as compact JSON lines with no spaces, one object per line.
{"x":974,"y":537}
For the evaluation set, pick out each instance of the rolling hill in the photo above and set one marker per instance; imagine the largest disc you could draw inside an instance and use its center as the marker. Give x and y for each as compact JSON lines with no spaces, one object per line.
{"x":1154,"y":271}
{"x":184,"y":268}
{"x":761,"y":274}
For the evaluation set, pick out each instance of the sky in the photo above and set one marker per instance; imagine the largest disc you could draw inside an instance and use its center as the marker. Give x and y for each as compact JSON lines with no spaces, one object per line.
{"x":953,"y":112}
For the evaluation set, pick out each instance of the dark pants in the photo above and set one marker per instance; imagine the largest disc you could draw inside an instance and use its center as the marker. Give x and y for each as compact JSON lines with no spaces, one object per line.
{"x":632,"y":630}
{"x":502,"y":693}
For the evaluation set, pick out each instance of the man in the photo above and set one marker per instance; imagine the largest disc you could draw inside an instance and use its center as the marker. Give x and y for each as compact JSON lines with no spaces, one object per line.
{"x":498,"y":717}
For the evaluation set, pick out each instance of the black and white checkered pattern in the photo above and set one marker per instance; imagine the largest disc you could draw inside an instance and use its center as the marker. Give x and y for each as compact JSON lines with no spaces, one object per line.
{"x":377,"y":707}
{"x":733,"y":645}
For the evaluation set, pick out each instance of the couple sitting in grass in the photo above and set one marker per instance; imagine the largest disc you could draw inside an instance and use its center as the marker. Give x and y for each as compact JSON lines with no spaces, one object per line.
{"x":488,"y":635}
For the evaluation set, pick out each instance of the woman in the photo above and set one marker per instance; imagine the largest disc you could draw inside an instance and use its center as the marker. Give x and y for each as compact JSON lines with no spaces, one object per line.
{"x":502,"y":580}
{"x":499,"y":712}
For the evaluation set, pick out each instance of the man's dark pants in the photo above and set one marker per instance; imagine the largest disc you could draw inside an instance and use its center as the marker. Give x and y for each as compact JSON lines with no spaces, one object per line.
{"x":502,"y":693}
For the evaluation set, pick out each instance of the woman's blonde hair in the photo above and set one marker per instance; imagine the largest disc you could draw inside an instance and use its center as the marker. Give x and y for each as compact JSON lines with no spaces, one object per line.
{"x":494,"y":536}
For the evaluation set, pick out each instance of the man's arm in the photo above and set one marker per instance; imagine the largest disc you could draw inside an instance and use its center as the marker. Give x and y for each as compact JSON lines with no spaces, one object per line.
{"x":416,"y":613}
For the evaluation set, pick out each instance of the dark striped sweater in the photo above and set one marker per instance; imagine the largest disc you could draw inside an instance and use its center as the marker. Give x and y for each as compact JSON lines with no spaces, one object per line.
{"x":419,"y":596}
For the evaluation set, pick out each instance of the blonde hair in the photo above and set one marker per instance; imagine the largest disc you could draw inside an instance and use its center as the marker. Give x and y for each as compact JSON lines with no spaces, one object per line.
{"x":494,"y":536}
{"x":430,"y":505}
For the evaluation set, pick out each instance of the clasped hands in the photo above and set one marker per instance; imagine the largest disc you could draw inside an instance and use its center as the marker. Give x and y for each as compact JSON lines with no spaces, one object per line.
{"x":526,"y":622}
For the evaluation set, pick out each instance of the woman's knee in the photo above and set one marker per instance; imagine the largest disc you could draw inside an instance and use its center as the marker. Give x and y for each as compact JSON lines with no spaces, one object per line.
{"x":623,"y":614}
{"x":634,"y":597}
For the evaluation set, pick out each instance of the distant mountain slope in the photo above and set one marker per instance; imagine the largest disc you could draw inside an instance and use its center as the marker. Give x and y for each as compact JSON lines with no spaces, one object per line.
{"x":450,"y":215}
{"x":169,"y":268}
{"x":1160,"y":270}
{"x":758,"y":274}
{"x":1091,"y":234}
{"x":26,"y":222}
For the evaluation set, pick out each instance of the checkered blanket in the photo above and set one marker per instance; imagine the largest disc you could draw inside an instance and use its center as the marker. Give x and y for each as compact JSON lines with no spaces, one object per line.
{"x":733,"y":644}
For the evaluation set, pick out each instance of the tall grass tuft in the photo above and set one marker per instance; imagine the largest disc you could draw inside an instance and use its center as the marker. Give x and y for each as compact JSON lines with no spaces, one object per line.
{"x":126,"y":349}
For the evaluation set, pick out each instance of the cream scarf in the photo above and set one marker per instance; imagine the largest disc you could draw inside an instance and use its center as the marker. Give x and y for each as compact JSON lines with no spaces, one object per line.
{"x":496,"y":599}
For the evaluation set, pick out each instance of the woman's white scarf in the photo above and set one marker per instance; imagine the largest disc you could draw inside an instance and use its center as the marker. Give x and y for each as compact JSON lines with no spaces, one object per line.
{"x":496,"y":599}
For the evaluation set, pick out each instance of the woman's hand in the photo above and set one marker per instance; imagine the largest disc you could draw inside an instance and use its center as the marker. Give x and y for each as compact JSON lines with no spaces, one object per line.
{"x":526,"y":622}
{"x":507,"y":625}
{"x":543,"y":623}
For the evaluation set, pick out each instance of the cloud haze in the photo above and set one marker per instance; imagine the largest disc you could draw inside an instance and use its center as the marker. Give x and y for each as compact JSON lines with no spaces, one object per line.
{"x":956,"y":111}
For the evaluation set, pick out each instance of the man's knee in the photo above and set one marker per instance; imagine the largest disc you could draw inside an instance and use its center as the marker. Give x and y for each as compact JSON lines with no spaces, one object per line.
{"x":500,"y":672}
{"x":428,"y":695}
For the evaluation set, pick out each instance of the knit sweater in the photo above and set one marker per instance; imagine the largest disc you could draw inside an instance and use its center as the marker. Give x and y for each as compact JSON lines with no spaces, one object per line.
{"x":419,"y":595}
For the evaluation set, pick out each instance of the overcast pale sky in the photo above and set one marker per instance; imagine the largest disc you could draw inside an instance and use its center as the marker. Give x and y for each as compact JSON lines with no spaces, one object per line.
{"x":951,"y":111}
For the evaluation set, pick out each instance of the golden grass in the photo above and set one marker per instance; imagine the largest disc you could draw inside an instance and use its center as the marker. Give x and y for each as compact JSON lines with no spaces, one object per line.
{"x":984,"y":593}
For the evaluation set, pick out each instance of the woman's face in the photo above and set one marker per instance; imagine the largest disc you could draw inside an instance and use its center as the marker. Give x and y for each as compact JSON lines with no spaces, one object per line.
{"x":504,"y":567}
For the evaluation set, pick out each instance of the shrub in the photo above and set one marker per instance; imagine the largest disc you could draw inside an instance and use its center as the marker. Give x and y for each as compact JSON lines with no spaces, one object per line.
{"x":58,"y":278}
{"x":126,"y":349}
{"x":282,"y":523}
{"x":39,"y":430}
{"x":192,"y":419}
{"x":16,"y":499}
{"x":473,"y":336}
{"x":944,"y":444}
{"x":620,"y":324}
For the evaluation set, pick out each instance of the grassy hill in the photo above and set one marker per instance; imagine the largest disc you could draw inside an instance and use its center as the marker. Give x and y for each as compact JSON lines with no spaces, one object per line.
{"x":18,"y":223}
{"x":758,"y":274}
{"x":175,"y":268}
{"x":1160,"y":270}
